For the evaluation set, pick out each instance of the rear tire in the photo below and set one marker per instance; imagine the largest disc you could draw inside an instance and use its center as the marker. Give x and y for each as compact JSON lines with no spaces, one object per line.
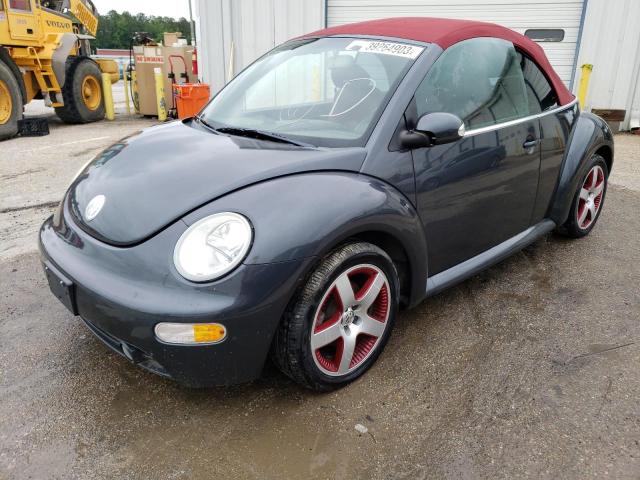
{"x":339,"y":323}
{"x":588,"y":200}
{"x":82,"y":92}
{"x":11,"y":107}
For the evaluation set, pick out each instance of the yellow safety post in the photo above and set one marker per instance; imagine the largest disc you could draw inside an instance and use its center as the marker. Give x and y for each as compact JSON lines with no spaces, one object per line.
{"x":108,"y":96}
{"x":126,"y":89}
{"x":162,"y":105}
{"x":135,"y":99}
{"x":584,"y":83}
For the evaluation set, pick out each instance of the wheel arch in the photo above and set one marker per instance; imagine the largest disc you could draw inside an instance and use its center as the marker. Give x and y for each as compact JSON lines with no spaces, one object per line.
{"x":590,"y":135}
{"x":396,"y":229}
{"x":393,"y":247}
{"x":606,"y":152}
{"x":72,"y":61}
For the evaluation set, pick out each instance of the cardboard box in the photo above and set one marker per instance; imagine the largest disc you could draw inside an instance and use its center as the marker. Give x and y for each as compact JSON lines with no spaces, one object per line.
{"x":167,"y":59}
{"x":171,"y":38}
{"x":146,"y":59}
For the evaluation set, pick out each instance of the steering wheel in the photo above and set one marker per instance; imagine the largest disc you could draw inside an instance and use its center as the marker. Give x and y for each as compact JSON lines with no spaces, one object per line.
{"x":372,"y":87}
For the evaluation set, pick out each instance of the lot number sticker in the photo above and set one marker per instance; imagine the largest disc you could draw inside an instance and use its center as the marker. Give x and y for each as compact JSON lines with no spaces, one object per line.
{"x":385,"y":48}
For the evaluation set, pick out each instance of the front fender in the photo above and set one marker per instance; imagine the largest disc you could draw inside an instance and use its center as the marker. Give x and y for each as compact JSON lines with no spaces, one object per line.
{"x":307,"y":215}
{"x":65,"y":41}
{"x":589,"y":134}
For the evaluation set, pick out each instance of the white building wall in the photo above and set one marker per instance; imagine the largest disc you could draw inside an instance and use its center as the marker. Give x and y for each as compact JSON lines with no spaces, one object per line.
{"x":611,"y":43}
{"x":233,"y":33}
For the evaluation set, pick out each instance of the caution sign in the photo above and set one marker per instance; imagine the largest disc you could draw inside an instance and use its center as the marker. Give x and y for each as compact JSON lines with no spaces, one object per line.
{"x":146,"y":59}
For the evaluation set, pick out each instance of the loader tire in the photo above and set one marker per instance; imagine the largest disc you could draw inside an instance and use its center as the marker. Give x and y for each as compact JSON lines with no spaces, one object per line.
{"x":82,"y":92}
{"x":10,"y":103}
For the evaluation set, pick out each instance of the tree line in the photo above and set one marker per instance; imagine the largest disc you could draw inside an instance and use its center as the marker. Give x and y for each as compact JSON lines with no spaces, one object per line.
{"x":116,"y":29}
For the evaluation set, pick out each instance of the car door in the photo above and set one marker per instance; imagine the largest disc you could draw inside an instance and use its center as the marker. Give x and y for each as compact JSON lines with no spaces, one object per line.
{"x":556,"y":124}
{"x":480,"y":190}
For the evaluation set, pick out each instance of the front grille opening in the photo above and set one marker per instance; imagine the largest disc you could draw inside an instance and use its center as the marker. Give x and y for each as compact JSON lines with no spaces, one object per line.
{"x":133,"y":354}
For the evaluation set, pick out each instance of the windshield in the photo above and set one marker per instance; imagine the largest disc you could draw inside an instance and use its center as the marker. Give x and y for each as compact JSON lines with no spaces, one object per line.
{"x":324,"y":92}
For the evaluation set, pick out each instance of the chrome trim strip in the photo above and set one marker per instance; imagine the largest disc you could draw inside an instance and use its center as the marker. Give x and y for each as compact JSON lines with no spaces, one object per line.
{"x":497,"y":126}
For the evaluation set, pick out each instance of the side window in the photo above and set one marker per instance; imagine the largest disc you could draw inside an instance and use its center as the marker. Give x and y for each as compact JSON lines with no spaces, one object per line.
{"x":540,"y":95}
{"x":480,"y":80}
{"x":20,"y":5}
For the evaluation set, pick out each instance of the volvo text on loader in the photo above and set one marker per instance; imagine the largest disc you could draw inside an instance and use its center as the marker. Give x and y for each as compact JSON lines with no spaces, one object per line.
{"x":45,"y":54}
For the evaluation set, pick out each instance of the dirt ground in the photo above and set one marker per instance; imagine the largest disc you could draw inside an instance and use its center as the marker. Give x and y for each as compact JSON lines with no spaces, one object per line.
{"x":529,"y":370}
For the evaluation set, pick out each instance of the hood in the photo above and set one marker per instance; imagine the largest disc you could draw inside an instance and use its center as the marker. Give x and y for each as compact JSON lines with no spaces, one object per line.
{"x":149,"y":180}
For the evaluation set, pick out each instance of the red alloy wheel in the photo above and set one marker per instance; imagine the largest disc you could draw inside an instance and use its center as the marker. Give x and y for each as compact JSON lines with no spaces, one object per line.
{"x":590,"y":197}
{"x":350,"y":320}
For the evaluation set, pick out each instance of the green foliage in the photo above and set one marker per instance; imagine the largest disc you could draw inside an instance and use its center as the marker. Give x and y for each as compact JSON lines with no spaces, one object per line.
{"x":116,"y":29}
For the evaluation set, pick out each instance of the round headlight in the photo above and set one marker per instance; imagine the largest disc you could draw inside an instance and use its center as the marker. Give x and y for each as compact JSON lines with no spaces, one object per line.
{"x":213,"y":246}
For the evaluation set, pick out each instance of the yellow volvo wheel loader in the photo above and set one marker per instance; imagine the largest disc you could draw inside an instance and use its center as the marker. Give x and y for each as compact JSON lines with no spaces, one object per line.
{"x":45,"y":54}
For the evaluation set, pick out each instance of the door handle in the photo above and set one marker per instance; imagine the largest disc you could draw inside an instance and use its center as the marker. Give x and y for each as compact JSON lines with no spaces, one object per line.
{"x":529,"y":144}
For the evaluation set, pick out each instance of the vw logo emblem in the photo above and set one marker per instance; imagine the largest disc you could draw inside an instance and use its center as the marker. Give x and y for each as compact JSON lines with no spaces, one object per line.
{"x":94,"y":207}
{"x":348,"y":317}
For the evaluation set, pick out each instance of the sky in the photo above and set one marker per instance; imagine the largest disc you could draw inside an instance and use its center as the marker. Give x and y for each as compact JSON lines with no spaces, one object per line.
{"x":165,"y":8}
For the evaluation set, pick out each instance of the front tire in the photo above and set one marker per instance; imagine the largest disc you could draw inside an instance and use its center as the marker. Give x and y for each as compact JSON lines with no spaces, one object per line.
{"x":82,"y":92}
{"x":10,"y":103}
{"x":588,"y":200}
{"x":339,"y":323}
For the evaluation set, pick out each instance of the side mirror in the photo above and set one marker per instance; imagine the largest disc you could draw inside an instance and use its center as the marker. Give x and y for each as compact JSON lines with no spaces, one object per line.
{"x":434,"y":129}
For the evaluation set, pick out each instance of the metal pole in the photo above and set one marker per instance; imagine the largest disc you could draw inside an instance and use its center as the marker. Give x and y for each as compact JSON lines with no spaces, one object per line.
{"x":126,"y":87}
{"x":192,"y":25}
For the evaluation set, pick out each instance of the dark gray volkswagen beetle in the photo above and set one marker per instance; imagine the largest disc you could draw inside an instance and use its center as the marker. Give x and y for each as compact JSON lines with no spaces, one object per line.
{"x":343,"y":175}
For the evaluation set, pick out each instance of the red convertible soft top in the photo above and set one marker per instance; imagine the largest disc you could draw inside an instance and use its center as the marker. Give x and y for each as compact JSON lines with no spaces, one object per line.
{"x":445,"y":32}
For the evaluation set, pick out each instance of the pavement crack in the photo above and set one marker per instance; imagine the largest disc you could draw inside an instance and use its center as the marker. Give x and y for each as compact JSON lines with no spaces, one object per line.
{"x":16,"y":175}
{"x":606,"y":394}
{"x":602,"y":351}
{"x":30,"y":207}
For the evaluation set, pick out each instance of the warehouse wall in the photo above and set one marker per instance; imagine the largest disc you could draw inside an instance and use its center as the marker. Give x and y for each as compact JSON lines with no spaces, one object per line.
{"x":611,"y":43}
{"x":233,"y":33}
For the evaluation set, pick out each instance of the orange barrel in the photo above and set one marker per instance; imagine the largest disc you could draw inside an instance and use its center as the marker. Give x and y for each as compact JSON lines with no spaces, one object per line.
{"x":190,"y":98}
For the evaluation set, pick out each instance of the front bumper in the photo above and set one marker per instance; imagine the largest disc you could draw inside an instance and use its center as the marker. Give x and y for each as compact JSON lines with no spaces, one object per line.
{"x":122,"y":293}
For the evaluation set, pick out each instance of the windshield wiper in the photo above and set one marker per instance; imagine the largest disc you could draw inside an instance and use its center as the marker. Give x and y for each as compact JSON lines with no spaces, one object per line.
{"x":204,"y":122}
{"x":260,"y":135}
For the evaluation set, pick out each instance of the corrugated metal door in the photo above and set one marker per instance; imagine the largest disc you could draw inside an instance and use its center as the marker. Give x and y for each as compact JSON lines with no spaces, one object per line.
{"x":519,"y":15}
{"x":233,"y":33}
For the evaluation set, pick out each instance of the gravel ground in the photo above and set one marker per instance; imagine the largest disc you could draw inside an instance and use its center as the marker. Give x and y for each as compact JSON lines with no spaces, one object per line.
{"x":527,"y":370}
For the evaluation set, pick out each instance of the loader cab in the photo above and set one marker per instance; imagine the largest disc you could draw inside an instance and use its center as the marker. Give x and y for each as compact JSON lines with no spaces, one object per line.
{"x":26,"y":23}
{"x":21,"y":20}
